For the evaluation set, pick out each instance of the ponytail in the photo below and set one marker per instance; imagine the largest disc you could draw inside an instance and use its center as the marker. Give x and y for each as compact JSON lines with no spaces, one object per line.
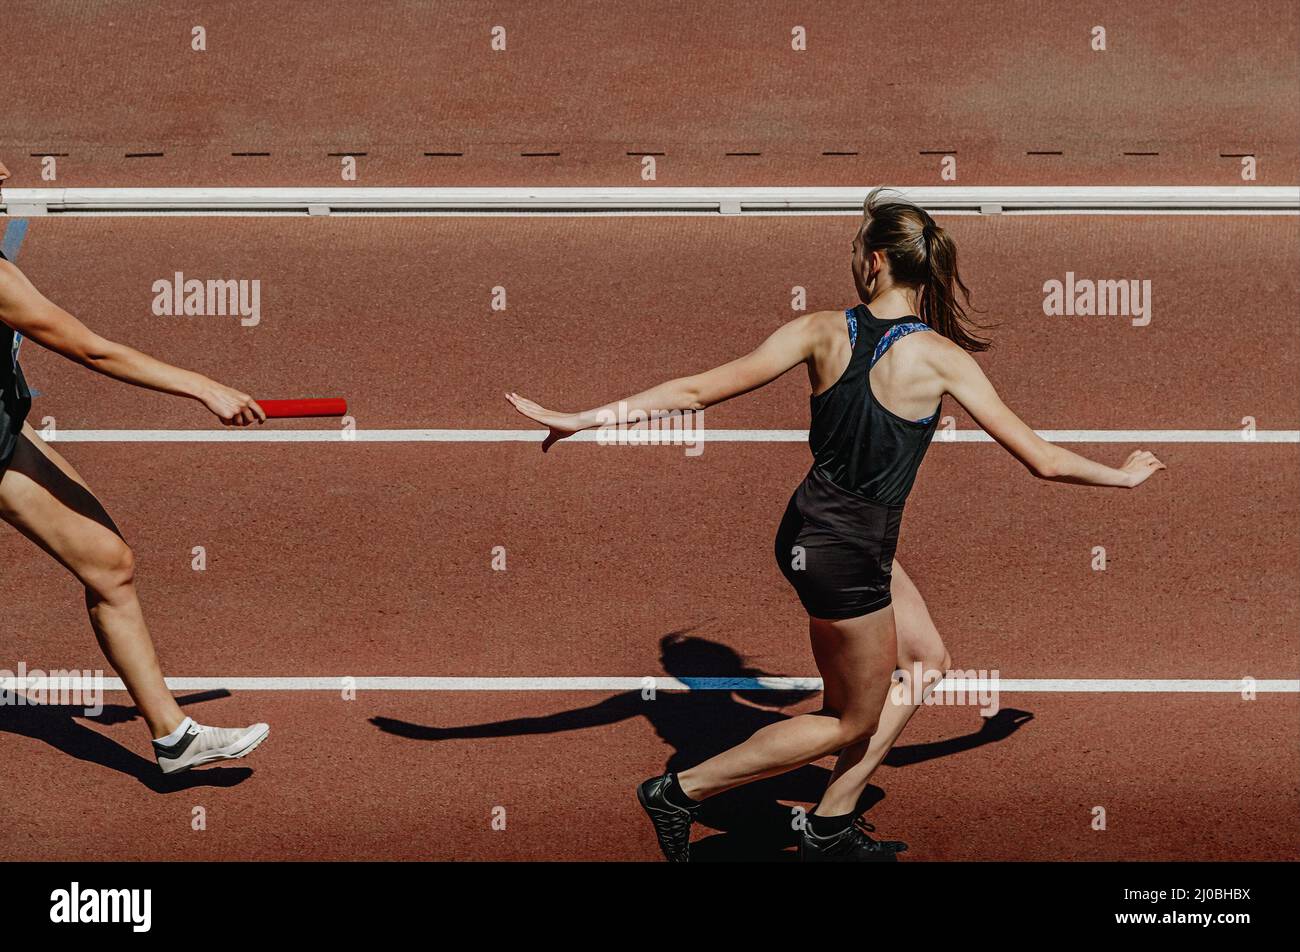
{"x":923,"y":255}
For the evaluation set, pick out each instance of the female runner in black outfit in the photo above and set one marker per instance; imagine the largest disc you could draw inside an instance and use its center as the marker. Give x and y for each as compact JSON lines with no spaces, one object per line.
{"x":45,"y":499}
{"x":878,"y":372}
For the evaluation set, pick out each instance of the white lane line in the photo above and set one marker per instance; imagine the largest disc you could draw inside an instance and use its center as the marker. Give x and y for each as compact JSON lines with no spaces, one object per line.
{"x":794,"y":211}
{"x":665,"y":436}
{"x":715,"y":200}
{"x":451,"y":684}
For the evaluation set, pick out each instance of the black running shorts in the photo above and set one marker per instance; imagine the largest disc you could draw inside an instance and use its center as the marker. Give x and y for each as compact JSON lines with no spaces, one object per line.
{"x":837,"y":548}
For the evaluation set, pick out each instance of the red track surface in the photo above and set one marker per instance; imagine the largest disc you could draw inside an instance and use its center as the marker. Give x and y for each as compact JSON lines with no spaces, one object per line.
{"x":891,"y":82}
{"x":370,"y":559}
{"x":603,"y":302}
{"x":319,"y":565}
{"x":1180,"y":777}
{"x":365,"y":559}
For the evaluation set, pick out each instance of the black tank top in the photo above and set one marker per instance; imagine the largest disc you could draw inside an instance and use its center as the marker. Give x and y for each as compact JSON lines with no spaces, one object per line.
{"x":858,"y":444}
{"x":15,"y":398}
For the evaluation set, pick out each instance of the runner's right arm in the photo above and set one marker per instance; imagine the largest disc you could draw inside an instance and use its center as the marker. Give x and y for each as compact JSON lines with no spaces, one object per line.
{"x":33,"y":315}
{"x":786,"y":347}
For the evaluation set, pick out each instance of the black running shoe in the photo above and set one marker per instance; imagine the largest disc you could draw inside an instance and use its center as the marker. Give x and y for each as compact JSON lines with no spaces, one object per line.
{"x":672,"y":823}
{"x":851,"y":846}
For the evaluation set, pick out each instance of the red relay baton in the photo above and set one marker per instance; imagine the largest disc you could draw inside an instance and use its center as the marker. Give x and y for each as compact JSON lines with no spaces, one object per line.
{"x":285,"y":409}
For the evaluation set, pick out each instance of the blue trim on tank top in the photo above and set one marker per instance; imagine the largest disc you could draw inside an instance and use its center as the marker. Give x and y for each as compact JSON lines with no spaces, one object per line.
{"x":895,"y":333}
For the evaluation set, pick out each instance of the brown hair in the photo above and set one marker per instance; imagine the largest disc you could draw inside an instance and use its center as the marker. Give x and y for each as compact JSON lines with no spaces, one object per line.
{"x":922,"y":255}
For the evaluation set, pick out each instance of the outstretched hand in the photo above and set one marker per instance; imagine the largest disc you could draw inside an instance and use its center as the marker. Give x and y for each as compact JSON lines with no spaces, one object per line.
{"x":1140,"y":465}
{"x":559,"y":425}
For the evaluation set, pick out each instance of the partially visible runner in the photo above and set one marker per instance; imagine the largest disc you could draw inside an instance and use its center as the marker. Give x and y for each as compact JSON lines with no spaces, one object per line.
{"x":45,"y":499}
{"x":878,"y":372}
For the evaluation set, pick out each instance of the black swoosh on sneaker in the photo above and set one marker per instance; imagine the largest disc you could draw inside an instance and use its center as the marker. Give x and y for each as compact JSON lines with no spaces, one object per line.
{"x":178,"y":748}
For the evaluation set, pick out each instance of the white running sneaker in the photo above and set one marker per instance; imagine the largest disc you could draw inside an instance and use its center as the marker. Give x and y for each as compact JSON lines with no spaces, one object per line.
{"x":202,"y":745}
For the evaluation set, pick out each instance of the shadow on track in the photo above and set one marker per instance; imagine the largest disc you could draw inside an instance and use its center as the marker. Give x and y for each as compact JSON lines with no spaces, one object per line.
{"x":59,"y":727}
{"x":752,"y":822}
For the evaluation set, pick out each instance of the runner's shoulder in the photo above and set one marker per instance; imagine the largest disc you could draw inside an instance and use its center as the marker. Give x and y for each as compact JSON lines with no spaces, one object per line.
{"x":825,"y":323}
{"x":934,"y":345}
{"x":940,"y":354}
{"x":16,"y":291}
{"x":815,"y":329}
{"x":10,"y":278}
